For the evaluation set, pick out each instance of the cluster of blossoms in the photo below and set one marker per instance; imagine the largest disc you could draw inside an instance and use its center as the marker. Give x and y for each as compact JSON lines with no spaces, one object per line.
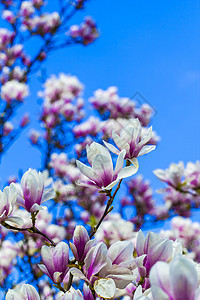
{"x":182,"y":192}
{"x":14,"y":90}
{"x":118,"y":261}
{"x":87,"y":32}
{"x":135,"y":142}
{"x":75,"y":248}
{"x":27,"y":20}
{"x":147,"y":267}
{"x":59,"y":94}
{"x":46,"y":23}
{"x":115,"y":112}
{"x":109,"y":103}
{"x":187,"y":233}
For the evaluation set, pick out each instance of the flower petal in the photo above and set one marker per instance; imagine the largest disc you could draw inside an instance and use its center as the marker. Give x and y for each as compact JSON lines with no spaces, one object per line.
{"x":87,"y":171}
{"x":120,"y":162}
{"x":184,"y":279}
{"x":146,"y":149}
{"x":127,"y":171}
{"x":105,"y":288}
{"x":111,"y":148}
{"x":48,"y":194}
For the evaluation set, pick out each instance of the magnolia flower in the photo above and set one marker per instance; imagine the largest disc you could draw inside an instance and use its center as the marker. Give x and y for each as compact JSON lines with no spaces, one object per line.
{"x":192,"y":174}
{"x":72,"y":294}
{"x":55,"y":261}
{"x":24,"y":292}
{"x":14,"y":90}
{"x":151,"y":249}
{"x":27,"y":8}
{"x":81,"y":243}
{"x":177,"y":280}
{"x":101,"y":173}
{"x":7,"y":200}
{"x":108,"y":269}
{"x":31,"y":193}
{"x":131,"y":139}
{"x":172,"y":175}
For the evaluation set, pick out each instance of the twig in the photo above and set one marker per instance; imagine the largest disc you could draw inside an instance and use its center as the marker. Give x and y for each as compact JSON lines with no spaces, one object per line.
{"x":32,"y":229}
{"x":107,"y":209}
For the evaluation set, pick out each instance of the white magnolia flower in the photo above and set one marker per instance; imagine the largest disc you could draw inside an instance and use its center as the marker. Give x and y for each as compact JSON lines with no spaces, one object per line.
{"x":14,"y":90}
{"x":176,"y":280}
{"x":23,"y":292}
{"x":31,"y":193}
{"x":132,"y":140}
{"x":172,"y":175}
{"x":101,"y":173}
{"x":7,"y":201}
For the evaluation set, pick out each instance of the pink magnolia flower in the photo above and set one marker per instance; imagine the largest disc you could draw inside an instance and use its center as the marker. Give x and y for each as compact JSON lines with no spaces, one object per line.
{"x":31,"y":193}
{"x":8,"y":128}
{"x":7,"y":201}
{"x":81,"y":243}
{"x":14,"y":90}
{"x":192,"y":174}
{"x":151,"y":249}
{"x":55,"y":261}
{"x":24,"y":120}
{"x":108,"y":269}
{"x":6,"y":37}
{"x":101,"y":173}
{"x":130,"y":138}
{"x":177,"y":280}
{"x":23,"y":292}
{"x":8,"y":15}
{"x":172,"y":175}
{"x":27,"y":8}
{"x":87,"y":31}
{"x":38,"y":3}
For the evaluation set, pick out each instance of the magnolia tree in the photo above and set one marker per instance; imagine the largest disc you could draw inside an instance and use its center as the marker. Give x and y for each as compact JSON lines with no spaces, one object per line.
{"x":76,"y":247}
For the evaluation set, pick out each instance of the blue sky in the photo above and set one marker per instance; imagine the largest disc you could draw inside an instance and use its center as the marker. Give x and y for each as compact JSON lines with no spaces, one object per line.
{"x":147,"y":46}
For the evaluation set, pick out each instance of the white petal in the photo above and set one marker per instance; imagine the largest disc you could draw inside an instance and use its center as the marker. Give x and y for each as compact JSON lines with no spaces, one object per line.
{"x":161,"y":174}
{"x":95,"y":149}
{"x":120,"y":162}
{"x":140,"y":243}
{"x":105,"y":288}
{"x":159,"y":294}
{"x":111,"y":148}
{"x":120,"y":142}
{"x":146,"y":137}
{"x":15,"y":220}
{"x":87,"y":171}
{"x":103,"y":166}
{"x":127,"y":171}
{"x":146,"y":149}
{"x":160,"y":276}
{"x":77,"y":273}
{"x":184,"y":279}
{"x":48,"y":194}
{"x":37,"y":207}
{"x":134,"y":161}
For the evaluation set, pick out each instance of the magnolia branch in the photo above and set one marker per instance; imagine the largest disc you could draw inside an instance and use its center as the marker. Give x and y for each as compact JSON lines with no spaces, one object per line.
{"x":108,"y":208}
{"x":32,"y":229}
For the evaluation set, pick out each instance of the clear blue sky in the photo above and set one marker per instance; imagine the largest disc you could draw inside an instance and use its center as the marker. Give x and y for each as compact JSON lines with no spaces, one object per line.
{"x":147,"y":46}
